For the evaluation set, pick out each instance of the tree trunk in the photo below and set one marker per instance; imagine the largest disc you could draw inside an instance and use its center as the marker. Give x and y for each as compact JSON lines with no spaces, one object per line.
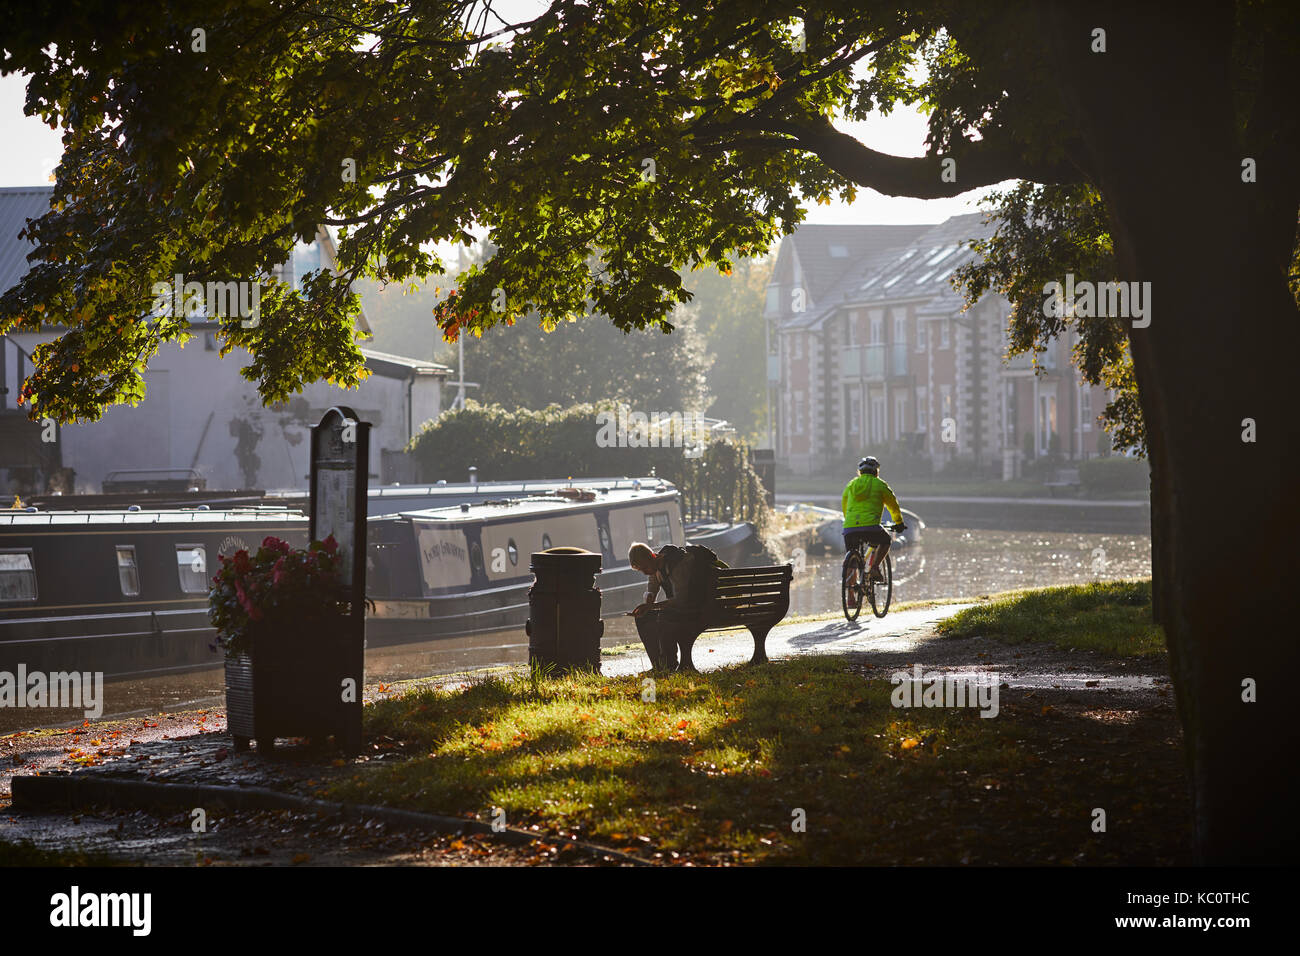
{"x":1158,"y":112}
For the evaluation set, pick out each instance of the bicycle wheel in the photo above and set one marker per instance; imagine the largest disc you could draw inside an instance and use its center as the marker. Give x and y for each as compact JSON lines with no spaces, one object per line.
{"x":881,"y":592}
{"x":851,"y":594}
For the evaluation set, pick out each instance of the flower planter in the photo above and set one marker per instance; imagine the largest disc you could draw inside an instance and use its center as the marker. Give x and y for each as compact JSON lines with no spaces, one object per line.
{"x":293,"y":685}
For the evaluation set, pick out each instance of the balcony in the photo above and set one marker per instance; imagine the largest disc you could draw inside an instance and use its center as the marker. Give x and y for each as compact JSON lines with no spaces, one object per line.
{"x":875,"y":362}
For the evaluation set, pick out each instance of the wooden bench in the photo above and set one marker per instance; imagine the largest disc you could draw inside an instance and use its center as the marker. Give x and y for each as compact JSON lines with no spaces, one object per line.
{"x":1065,"y":478}
{"x":754,"y":598}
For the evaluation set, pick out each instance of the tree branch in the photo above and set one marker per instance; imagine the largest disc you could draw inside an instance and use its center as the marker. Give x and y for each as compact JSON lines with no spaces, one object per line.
{"x":978,"y":164}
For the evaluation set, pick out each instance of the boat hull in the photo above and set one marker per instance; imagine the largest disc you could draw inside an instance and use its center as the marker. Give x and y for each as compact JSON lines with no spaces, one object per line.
{"x":431,"y":575}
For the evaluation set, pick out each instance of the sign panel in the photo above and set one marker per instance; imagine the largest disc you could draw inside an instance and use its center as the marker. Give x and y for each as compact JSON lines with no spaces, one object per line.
{"x":340,"y":461}
{"x":340,"y":468}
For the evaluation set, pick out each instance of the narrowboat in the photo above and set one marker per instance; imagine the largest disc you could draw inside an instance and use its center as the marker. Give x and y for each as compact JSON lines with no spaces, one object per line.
{"x":446,"y":571}
{"x":124,"y":592}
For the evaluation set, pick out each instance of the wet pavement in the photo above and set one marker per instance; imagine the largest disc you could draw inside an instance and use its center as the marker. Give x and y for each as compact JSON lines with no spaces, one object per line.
{"x":194,"y":748}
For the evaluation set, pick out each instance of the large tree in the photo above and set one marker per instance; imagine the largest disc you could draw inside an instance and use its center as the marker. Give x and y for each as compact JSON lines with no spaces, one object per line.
{"x":654,"y":135}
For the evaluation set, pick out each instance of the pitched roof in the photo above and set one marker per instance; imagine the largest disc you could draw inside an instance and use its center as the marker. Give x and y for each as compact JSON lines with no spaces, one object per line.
{"x":922,"y":271}
{"x":385,"y":363}
{"x":826,"y":252}
{"x":845,"y":288}
{"x":17,"y":205}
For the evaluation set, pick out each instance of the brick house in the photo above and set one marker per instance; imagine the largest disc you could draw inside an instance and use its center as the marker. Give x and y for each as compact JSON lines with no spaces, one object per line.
{"x":870,"y":352}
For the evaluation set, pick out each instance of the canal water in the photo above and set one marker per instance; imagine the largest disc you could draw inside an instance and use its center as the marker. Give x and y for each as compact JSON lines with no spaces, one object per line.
{"x":948,"y":563}
{"x":965,"y":562}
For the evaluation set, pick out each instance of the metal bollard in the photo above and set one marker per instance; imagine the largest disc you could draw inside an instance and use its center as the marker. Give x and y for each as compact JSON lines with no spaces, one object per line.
{"x":564,"y":626}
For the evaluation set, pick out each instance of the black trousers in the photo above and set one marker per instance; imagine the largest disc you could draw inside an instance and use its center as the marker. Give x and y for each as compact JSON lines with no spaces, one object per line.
{"x":662,"y":632}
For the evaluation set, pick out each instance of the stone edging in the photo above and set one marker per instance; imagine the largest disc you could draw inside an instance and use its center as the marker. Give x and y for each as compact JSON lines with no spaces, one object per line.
{"x":69,"y":791}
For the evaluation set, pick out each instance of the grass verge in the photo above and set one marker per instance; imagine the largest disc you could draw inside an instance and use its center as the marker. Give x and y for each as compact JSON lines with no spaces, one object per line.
{"x":722,"y":766}
{"x":1113,"y":617}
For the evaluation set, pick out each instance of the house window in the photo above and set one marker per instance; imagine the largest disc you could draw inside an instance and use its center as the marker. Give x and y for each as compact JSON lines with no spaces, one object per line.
{"x":657,"y":529}
{"x":944,"y":335}
{"x":128,"y":572}
{"x":192,"y":568}
{"x":1085,"y":407}
{"x":796,"y":347}
{"x":922,"y":409}
{"x":945,"y":401}
{"x":853,"y":399}
{"x":1046,"y":423}
{"x":878,"y":422}
{"x":922,"y":340}
{"x":900,"y":415}
{"x":17,"y":576}
{"x":798,"y":414}
{"x":900,"y":330}
{"x":877,"y":330}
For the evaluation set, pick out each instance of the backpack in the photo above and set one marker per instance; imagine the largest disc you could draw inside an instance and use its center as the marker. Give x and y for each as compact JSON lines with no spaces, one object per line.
{"x":704,"y":571}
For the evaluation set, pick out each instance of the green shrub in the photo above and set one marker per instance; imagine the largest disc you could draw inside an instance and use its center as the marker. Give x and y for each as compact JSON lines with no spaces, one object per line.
{"x":1106,"y":476}
{"x":557,"y":442}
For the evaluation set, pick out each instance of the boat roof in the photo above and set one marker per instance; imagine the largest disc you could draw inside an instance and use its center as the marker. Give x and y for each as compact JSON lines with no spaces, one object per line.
{"x":146,"y":516}
{"x":512,"y":489}
{"x":536,"y":504}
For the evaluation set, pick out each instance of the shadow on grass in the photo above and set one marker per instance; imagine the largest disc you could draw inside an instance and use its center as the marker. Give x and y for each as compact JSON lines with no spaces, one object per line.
{"x":801,"y":761}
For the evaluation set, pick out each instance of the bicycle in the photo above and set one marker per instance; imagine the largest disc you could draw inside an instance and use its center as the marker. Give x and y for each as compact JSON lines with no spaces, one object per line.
{"x":879,"y":593}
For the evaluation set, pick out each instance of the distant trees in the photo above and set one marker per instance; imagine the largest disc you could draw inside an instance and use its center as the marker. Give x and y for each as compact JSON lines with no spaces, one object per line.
{"x":712,"y":363}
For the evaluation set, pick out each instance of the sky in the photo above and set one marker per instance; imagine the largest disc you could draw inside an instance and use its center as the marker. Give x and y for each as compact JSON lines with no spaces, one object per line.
{"x":31,"y":151}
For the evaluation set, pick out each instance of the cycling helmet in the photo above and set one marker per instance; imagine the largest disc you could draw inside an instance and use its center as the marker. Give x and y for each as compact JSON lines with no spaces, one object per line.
{"x":868,"y":466}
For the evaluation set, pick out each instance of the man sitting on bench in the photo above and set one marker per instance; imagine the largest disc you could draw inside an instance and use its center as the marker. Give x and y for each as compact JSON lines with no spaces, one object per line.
{"x":679,"y":618}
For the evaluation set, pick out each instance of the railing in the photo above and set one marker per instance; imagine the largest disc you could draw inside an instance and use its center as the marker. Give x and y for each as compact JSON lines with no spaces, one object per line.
{"x":154,"y":479}
{"x":875,"y":361}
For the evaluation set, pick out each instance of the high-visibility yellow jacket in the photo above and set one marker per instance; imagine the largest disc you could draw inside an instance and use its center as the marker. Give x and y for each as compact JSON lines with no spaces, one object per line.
{"x":864,"y":499}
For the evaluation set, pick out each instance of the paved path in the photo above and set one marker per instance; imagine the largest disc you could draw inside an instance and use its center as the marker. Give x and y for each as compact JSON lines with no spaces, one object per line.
{"x":904,"y":638}
{"x":899,"y":631}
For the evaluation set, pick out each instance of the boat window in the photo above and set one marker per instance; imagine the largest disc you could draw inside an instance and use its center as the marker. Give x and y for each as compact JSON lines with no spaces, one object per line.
{"x":546,"y":542}
{"x":657,"y":529}
{"x":476,"y":557}
{"x":17,"y":576}
{"x":192,"y":568}
{"x":128,"y":572}
{"x":513,"y":551}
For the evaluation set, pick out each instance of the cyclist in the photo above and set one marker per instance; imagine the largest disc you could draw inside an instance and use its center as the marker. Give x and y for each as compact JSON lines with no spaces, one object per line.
{"x":863,"y":501}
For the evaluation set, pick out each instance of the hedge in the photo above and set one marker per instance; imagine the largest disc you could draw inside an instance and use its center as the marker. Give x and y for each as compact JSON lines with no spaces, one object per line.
{"x":557,"y":442}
